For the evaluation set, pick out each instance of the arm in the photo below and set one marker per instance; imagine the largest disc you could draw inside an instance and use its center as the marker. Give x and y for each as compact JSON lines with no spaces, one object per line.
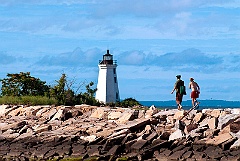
{"x":198,"y":87}
{"x":174,"y":88}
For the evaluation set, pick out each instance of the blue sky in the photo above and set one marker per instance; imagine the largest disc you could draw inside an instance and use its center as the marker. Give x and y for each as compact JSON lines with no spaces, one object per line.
{"x":152,"y":41}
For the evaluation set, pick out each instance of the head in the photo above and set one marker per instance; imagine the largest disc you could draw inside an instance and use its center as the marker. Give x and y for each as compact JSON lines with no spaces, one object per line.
{"x":191,"y":79}
{"x":178,"y":76}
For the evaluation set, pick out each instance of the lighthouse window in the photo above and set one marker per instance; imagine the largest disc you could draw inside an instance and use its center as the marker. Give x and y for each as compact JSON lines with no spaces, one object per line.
{"x":114,"y":71}
{"x":115,"y":79}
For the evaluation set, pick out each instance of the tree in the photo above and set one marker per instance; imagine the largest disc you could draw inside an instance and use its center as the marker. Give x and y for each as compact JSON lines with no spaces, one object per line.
{"x":129,"y":102}
{"x":23,"y":84}
{"x":58,"y":91}
{"x":88,"y":96}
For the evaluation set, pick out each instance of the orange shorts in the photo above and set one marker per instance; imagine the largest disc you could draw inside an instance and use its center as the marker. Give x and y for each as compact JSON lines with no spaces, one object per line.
{"x":194,"y":94}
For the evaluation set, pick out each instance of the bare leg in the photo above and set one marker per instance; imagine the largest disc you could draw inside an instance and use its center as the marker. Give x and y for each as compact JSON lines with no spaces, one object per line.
{"x":193,"y":101}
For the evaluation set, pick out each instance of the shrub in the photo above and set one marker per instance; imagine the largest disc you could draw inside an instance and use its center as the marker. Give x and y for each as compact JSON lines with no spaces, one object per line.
{"x":28,"y":100}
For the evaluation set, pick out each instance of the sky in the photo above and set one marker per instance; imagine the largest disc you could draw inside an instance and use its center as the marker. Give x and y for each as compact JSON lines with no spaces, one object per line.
{"x":152,"y":41}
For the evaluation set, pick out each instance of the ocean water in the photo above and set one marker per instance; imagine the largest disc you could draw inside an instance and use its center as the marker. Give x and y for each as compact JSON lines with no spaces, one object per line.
{"x":204,"y":104}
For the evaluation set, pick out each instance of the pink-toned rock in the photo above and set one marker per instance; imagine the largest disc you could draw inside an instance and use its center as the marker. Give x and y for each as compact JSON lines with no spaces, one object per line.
{"x":226,"y":120}
{"x":148,"y":129}
{"x":149,"y":113}
{"x":235,"y":126}
{"x":178,"y":115}
{"x":198,"y":117}
{"x":235,"y":145}
{"x":190,"y":127}
{"x":6,"y":109}
{"x":42,"y":128}
{"x":98,"y":113}
{"x":31,"y":110}
{"x":211,"y":132}
{"x":48,"y":114}
{"x":114,"y":115}
{"x":16,"y":111}
{"x":176,"y":135}
{"x":212,"y":123}
{"x":217,"y":140}
{"x":41,"y":111}
{"x":126,"y":116}
{"x":216,"y":113}
{"x":226,"y":129}
{"x":59,"y":114}
{"x":94,"y":130}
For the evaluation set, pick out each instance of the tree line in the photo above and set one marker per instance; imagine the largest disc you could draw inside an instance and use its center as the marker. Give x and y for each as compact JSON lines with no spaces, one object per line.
{"x":22,"y":85}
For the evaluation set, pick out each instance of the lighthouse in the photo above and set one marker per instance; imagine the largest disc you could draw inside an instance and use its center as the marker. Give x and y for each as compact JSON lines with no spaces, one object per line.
{"x":107,"y":87}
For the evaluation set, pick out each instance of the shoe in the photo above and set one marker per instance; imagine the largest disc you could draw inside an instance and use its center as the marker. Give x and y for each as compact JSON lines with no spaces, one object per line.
{"x":179,"y":106}
{"x":196,"y":102}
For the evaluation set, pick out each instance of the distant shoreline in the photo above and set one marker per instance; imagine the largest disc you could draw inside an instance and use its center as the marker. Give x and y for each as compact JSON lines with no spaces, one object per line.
{"x":204,"y":104}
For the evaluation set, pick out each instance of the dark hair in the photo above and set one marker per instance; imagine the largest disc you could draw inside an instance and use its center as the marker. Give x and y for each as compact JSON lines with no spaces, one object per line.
{"x":178,"y":76}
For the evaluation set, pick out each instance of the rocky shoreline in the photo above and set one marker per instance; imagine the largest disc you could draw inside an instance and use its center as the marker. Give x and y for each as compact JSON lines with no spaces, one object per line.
{"x":83,"y":132}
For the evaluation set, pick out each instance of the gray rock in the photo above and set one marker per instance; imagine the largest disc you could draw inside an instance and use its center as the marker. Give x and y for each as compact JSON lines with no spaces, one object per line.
{"x":223,"y":121}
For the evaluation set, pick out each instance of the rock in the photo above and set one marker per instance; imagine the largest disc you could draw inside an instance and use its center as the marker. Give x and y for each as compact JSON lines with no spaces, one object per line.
{"x":98,"y":113}
{"x":235,"y":111}
{"x":216,"y":113}
{"x":138,"y":145}
{"x":124,"y":131}
{"x":217,"y":140}
{"x":14,"y":126}
{"x":211,"y":133}
{"x":212,"y":123}
{"x":59,"y":114}
{"x":47,"y":115}
{"x":214,"y":152}
{"x":198,"y":117}
{"x":176,"y":135}
{"x":151,"y":111}
{"x":126,"y":116}
{"x":88,"y":132}
{"x":190,"y":127}
{"x":235,"y":126}
{"x":178,"y":115}
{"x":179,"y":125}
{"x":114,"y":115}
{"x":42,"y":128}
{"x":166,"y":113}
{"x":227,"y":119}
{"x":235,"y":145}
{"x":90,"y":138}
{"x":5,"y":109}
{"x":15,"y":111}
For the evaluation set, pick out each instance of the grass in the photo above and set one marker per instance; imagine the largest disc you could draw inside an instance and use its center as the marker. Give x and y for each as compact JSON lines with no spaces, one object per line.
{"x":27,"y":100}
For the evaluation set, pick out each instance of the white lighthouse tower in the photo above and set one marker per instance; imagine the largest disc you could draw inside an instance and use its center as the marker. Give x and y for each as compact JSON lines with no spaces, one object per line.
{"x":107,"y":87}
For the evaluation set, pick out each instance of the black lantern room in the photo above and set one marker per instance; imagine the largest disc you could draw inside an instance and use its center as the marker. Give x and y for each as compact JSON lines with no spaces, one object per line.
{"x":107,"y":58}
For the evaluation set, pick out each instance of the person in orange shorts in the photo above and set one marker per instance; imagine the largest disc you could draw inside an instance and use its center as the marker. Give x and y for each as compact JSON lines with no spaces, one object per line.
{"x":195,"y":90}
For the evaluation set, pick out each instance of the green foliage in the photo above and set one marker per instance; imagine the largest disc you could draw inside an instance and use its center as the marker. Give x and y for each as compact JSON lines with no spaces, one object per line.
{"x":129,"y":102}
{"x":23,"y":84}
{"x":28,"y":100}
{"x":88,"y":96}
{"x":122,"y":159}
{"x":25,"y":89}
{"x":72,"y":159}
{"x":93,"y":158}
{"x":58,"y":91}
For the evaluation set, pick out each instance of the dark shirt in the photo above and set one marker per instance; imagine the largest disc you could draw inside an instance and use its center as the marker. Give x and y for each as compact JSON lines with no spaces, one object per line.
{"x":178,"y":83}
